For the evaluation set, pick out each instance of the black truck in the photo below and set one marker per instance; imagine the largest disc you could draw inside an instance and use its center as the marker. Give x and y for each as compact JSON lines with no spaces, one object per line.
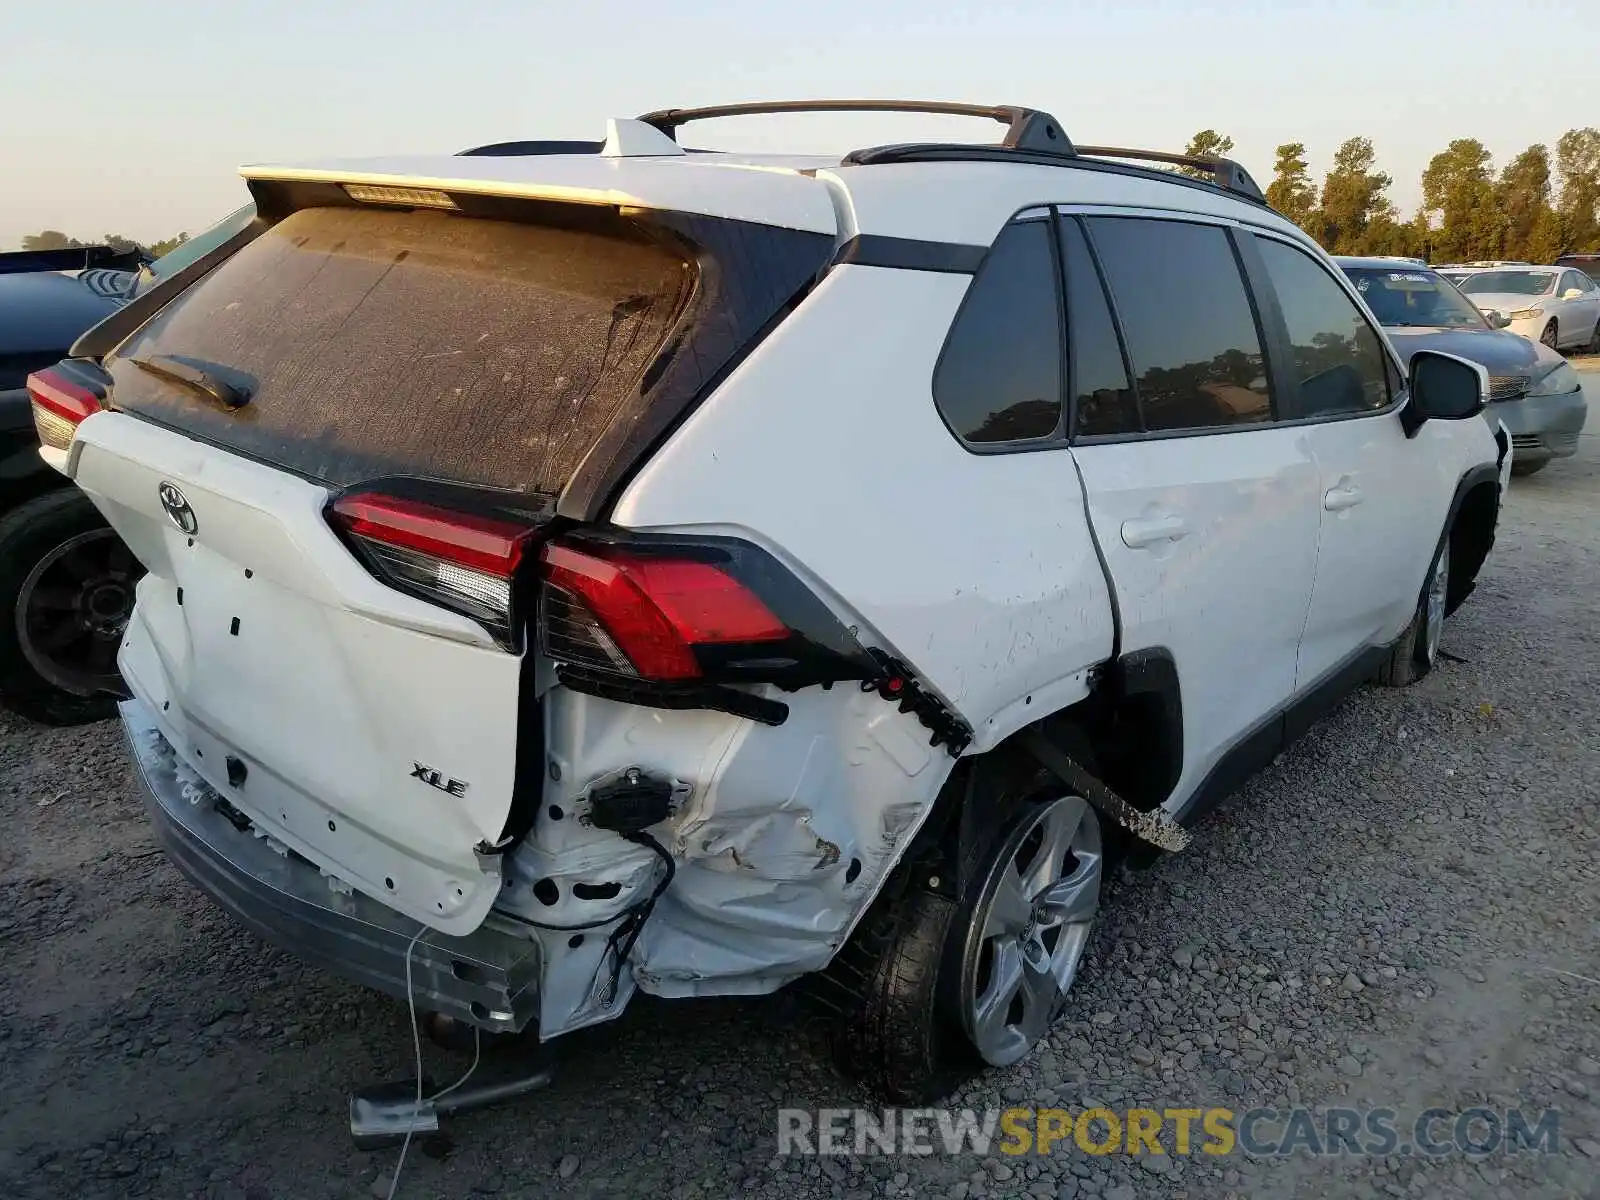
{"x":66,"y":581}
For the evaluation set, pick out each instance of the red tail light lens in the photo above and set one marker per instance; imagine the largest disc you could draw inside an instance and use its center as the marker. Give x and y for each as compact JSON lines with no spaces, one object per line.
{"x":463,"y":561}
{"x":647,"y":615}
{"x":59,"y":406}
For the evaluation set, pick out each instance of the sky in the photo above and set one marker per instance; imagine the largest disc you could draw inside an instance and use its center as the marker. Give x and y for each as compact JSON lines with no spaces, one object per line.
{"x":133,"y":119}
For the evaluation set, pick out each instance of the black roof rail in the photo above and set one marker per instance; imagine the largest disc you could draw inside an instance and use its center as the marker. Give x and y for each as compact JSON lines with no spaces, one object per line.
{"x":514,"y":149}
{"x":1227,"y":174}
{"x":1224,"y":173}
{"x":1026,"y":128}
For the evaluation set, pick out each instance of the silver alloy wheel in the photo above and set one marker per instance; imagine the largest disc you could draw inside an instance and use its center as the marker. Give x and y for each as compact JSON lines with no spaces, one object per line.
{"x":72,"y":610}
{"x":1029,"y":928}
{"x":1438,"y":590}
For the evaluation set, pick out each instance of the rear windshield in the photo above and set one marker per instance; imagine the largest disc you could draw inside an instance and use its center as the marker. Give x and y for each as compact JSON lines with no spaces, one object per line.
{"x":377,"y":341}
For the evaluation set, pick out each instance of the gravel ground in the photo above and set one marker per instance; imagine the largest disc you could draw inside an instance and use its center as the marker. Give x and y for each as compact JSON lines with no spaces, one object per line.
{"x":1400,"y":912}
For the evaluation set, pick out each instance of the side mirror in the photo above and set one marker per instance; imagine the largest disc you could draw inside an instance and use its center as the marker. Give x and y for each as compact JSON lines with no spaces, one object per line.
{"x":1496,"y":319}
{"x":1444,"y":387}
{"x":1572,"y":294}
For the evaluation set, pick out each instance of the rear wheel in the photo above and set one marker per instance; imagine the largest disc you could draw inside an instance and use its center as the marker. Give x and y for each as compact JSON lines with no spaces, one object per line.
{"x":1548,"y":337}
{"x":1594,"y":340}
{"x":976,"y":980}
{"x":1417,"y":649}
{"x":66,"y":592}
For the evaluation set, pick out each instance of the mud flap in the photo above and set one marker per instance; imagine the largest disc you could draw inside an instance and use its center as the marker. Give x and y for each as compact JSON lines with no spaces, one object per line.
{"x":1154,"y":827}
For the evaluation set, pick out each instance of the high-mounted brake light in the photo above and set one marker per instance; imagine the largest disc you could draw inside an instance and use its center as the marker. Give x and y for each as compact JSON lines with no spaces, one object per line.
{"x":463,"y":561}
{"x":59,"y":407}
{"x":647,"y":615}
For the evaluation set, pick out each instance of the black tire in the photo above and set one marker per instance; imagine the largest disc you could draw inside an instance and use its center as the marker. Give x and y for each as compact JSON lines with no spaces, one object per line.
{"x":906,"y":1042}
{"x":29,"y":534}
{"x":1409,"y":661}
{"x":1521,"y":469}
{"x":1550,"y":337}
{"x":1594,"y":340}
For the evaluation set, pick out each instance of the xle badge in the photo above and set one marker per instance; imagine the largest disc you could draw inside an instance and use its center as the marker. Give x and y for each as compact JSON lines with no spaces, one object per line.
{"x":434,"y":779}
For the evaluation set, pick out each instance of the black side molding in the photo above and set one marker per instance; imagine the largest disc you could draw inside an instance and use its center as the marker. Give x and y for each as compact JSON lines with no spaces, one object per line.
{"x":910,"y":254}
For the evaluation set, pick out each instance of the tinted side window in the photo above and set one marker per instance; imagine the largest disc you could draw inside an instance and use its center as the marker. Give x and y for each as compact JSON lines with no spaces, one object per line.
{"x":1187,"y":319}
{"x":999,"y":378}
{"x":1338,"y":360}
{"x":1104,"y":402}
{"x":1573,"y":279}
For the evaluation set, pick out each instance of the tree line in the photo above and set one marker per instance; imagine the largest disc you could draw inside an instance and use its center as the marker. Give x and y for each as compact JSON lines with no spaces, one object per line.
{"x":54,"y":239}
{"x":1469,"y":210}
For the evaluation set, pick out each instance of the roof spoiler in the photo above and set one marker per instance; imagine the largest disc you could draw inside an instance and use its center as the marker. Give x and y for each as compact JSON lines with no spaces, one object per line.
{"x":74,"y":258}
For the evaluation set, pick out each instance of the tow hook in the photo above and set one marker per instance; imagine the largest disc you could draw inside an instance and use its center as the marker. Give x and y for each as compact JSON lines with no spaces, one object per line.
{"x":1154,"y":826}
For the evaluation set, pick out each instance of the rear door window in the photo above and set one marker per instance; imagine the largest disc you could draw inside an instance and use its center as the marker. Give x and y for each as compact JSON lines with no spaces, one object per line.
{"x":999,"y":378}
{"x":1190,"y":329}
{"x":376,"y":341}
{"x":1103,"y":399}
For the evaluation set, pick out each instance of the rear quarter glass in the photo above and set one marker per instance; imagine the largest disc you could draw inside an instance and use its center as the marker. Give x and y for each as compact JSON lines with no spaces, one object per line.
{"x":377,"y":341}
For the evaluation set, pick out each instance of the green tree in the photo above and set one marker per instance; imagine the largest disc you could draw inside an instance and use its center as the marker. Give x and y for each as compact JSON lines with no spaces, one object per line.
{"x":1522,"y":197}
{"x":1206,"y":142}
{"x":50,"y":239}
{"x":157,"y":249}
{"x":1291,"y":191}
{"x":1458,"y":186}
{"x":1578,"y":160}
{"x":1353,"y":195}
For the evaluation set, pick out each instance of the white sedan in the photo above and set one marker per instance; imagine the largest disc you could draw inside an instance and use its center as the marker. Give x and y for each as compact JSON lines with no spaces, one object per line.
{"x":1558,"y":306}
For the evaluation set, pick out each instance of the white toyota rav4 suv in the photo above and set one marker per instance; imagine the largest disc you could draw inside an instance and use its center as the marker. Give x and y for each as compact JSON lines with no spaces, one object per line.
{"x":576,"y":569}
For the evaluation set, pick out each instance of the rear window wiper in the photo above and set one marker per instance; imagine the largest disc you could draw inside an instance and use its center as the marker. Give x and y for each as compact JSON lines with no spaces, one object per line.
{"x":203,"y":378}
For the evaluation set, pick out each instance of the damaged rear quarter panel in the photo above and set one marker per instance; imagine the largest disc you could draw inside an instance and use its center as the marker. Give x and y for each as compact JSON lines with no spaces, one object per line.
{"x":783,"y":839}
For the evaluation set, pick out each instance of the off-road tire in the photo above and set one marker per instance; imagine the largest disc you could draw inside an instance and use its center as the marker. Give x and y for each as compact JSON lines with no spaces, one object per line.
{"x":27,"y":534}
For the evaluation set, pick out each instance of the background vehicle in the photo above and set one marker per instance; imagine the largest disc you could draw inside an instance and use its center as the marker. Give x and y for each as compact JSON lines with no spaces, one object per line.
{"x":1557,"y":306}
{"x":1589,"y":264}
{"x":501,"y":637}
{"x":1532,"y":390}
{"x":65,"y":580}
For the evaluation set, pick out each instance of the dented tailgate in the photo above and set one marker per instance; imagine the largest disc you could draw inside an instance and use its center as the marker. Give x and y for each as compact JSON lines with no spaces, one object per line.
{"x":370,"y":732}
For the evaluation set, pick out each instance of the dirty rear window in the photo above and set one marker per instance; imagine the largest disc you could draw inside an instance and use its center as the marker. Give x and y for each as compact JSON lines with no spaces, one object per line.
{"x":378,"y":341}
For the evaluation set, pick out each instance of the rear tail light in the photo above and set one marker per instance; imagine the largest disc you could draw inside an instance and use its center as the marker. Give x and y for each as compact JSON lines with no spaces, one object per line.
{"x":648,"y":616}
{"x":59,"y":407}
{"x":463,"y":561}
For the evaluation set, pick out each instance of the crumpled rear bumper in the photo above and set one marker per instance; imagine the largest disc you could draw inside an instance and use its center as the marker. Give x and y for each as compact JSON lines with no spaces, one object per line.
{"x":489,"y":978}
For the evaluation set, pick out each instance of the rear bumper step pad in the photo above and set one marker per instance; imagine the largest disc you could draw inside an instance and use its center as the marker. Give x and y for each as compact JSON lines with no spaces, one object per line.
{"x":488,"y":978}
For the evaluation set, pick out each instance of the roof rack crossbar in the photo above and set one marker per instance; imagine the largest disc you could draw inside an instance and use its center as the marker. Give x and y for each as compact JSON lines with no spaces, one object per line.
{"x":1227,"y":174}
{"x":1026,"y":128}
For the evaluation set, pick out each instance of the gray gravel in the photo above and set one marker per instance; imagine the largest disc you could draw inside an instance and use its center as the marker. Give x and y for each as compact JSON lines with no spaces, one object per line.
{"x":1400,"y":912}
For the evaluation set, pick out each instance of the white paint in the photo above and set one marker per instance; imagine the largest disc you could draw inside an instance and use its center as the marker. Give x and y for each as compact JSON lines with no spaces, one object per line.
{"x":976,"y":569}
{"x":634,"y":139}
{"x":749,"y":189}
{"x":1228,"y":599}
{"x":333,"y":687}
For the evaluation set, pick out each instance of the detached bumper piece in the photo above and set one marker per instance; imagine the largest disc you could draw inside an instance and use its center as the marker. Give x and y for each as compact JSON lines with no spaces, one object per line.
{"x":488,"y":979}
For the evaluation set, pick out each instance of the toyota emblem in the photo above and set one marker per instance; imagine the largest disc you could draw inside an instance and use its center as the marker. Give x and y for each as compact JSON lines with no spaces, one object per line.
{"x":178,"y":510}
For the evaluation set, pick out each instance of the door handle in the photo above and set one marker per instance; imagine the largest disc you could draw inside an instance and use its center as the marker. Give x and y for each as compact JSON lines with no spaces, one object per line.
{"x":1347,"y":495}
{"x":1148,"y":531}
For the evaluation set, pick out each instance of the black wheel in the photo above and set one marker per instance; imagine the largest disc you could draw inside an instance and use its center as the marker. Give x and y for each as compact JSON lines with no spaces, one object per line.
{"x":1521,"y":468}
{"x":66,"y":591}
{"x":1548,"y":337}
{"x":958,"y":984}
{"x":1417,"y":649}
